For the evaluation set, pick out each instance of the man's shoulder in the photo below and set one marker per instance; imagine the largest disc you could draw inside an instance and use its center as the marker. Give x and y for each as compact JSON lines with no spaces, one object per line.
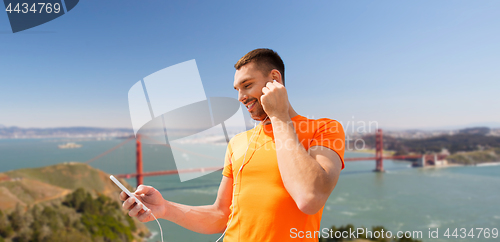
{"x":321,"y":121}
{"x":320,"y":125}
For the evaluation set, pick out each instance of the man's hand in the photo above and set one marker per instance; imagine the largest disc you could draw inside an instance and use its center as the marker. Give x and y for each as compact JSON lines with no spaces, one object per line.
{"x":150,"y":197}
{"x":275,"y":100}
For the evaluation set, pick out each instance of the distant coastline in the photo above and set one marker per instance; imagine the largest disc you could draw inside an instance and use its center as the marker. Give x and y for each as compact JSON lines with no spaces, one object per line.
{"x":70,"y":132}
{"x":371,"y":151}
{"x":92,"y":132}
{"x":494,"y":163}
{"x":488,"y":157}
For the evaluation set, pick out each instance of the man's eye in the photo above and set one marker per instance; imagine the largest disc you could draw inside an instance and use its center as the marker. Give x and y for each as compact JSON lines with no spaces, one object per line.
{"x":248,"y":85}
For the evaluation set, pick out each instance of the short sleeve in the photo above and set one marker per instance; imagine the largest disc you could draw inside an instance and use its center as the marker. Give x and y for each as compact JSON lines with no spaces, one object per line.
{"x":228,"y":165}
{"x":330,"y":134}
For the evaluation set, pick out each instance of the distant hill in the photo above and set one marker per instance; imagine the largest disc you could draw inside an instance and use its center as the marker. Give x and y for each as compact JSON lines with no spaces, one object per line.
{"x":35,"y":185}
{"x":69,"y":191}
{"x":476,"y":130}
{"x":470,"y":139}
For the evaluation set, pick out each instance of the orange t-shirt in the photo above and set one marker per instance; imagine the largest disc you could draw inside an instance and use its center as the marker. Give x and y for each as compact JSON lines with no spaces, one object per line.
{"x":263,"y":209}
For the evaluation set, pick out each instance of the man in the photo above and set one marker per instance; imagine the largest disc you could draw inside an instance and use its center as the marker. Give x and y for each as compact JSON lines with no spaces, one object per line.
{"x":275,"y":187}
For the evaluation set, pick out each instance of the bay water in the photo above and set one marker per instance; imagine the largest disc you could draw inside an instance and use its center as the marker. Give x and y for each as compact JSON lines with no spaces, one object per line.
{"x":401,"y":199}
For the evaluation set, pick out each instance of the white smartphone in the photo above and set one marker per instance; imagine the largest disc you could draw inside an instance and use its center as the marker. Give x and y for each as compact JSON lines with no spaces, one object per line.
{"x":120,"y":185}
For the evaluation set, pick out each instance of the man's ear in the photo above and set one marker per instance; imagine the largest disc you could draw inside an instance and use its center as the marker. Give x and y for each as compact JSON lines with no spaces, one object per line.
{"x":276,"y":75}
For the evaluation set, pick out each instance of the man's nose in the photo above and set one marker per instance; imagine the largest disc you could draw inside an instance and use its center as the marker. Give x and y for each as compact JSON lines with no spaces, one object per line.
{"x":242,"y":96}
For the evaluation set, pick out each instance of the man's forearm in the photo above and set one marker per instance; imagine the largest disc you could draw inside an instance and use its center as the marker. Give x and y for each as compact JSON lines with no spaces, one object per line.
{"x":201,"y":219}
{"x":304,"y":178}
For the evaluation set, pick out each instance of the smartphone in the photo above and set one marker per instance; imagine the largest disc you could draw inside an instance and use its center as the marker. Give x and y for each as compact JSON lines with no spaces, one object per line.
{"x":120,"y":185}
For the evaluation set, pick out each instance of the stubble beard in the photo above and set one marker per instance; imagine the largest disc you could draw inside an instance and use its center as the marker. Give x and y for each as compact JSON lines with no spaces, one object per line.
{"x":258,"y":113}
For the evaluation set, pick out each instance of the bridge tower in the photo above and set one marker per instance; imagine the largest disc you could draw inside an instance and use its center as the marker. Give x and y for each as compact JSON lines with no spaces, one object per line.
{"x":139,"y":160}
{"x":379,"y":151}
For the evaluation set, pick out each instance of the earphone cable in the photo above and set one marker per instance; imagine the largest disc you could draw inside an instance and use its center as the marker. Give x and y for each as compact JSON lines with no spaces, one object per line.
{"x":236,"y":180}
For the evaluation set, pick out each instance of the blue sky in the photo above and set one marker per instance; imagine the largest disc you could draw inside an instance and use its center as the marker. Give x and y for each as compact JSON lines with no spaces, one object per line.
{"x":403,"y":64}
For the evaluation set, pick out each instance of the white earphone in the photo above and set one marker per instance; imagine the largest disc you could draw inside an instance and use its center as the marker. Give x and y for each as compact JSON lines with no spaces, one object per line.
{"x":236,"y":179}
{"x":239,"y":170}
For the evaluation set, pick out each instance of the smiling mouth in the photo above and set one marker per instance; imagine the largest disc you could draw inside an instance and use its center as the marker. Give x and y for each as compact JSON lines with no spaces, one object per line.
{"x":250,"y":107}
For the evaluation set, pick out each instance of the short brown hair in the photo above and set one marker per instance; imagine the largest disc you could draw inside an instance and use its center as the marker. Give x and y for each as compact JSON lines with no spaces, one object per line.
{"x":265,"y":59}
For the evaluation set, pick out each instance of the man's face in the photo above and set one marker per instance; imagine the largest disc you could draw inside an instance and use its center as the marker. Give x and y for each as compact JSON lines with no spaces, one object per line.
{"x":249,"y":81}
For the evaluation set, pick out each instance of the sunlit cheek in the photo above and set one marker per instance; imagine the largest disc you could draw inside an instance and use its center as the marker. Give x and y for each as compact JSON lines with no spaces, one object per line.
{"x":257,"y":91}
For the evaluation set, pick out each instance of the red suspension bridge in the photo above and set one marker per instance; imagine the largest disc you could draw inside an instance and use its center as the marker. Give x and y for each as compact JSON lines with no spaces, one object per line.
{"x":140,"y":174}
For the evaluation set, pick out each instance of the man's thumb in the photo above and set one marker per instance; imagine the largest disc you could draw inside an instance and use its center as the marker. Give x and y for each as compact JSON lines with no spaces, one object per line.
{"x":142,"y":189}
